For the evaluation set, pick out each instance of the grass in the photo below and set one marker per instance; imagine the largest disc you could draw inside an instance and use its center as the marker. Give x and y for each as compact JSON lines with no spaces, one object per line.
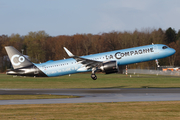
{"x":25,"y":97}
{"x":84,"y":81}
{"x":93,"y":111}
{"x":169,"y":110}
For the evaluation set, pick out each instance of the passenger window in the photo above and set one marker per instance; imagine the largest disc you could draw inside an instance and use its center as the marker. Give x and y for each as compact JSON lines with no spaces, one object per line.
{"x":164,"y":47}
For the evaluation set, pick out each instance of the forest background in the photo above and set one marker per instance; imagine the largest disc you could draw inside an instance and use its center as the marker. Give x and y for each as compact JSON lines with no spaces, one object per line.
{"x":40,"y":47}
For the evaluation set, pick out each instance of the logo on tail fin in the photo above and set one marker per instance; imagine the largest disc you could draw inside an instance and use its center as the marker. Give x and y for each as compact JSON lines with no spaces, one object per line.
{"x":21,"y":59}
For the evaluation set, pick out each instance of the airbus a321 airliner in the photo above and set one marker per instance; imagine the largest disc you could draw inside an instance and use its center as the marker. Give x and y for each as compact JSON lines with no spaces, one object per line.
{"x":106,"y":62}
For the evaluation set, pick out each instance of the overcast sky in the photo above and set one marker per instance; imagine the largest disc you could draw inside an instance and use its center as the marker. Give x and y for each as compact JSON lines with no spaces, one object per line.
{"x":69,"y":17}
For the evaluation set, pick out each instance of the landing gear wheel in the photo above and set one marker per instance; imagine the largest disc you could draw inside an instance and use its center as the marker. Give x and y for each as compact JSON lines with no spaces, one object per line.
{"x":93,"y":76}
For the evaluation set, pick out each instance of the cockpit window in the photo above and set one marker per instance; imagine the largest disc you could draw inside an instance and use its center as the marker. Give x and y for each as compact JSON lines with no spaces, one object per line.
{"x":164,"y":47}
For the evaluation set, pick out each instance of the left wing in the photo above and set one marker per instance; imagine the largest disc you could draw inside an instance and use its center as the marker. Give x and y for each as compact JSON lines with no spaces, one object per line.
{"x":86,"y":62}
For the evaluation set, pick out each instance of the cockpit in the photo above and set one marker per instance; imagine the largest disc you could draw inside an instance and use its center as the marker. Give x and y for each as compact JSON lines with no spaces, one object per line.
{"x":164,"y":47}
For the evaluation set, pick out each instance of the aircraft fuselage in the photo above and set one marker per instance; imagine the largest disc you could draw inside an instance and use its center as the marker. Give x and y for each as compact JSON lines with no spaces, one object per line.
{"x":121,"y":57}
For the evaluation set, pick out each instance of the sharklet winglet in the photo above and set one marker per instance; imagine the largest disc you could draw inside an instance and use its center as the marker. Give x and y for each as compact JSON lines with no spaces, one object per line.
{"x":68,"y":52}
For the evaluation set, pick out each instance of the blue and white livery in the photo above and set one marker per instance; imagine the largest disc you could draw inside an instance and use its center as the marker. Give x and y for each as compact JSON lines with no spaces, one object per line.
{"x":107,"y":62}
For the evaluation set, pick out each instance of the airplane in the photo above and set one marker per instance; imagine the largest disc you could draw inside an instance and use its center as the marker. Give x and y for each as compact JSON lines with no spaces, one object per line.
{"x":106,"y":62}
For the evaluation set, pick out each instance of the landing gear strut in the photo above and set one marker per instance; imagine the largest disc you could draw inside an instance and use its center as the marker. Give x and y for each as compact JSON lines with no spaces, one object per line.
{"x":93,"y":76}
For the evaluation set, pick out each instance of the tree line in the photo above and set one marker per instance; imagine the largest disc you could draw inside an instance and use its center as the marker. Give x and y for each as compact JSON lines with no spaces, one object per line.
{"x":41,"y":47}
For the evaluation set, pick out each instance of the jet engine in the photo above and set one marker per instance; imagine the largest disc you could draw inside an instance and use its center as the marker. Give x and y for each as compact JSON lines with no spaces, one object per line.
{"x":109,"y":67}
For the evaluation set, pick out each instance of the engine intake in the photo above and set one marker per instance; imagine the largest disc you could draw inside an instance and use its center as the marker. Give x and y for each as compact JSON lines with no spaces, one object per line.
{"x":109,"y":67}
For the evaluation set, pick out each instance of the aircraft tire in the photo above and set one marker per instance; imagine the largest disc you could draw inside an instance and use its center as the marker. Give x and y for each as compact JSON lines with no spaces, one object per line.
{"x":93,"y":76}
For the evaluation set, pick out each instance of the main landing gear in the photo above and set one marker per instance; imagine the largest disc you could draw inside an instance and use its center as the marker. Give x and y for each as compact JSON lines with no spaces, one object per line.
{"x":93,"y":76}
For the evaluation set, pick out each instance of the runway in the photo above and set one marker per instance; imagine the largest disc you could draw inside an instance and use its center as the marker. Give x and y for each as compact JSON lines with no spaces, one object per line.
{"x":94,"y":95}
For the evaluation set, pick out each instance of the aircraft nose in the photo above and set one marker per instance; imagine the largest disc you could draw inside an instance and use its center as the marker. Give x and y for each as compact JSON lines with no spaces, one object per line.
{"x":172,"y":51}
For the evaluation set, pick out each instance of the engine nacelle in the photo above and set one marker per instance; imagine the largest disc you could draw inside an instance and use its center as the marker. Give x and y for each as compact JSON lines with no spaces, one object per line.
{"x":109,"y":67}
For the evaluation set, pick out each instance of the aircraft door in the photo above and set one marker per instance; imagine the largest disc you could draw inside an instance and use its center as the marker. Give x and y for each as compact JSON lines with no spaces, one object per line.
{"x":155,"y":47}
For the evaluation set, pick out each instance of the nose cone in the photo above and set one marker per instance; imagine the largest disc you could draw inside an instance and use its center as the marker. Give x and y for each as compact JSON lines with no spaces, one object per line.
{"x":172,"y":51}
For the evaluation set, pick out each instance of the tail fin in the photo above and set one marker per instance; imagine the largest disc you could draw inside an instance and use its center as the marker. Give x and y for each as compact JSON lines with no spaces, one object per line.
{"x":16,"y":58}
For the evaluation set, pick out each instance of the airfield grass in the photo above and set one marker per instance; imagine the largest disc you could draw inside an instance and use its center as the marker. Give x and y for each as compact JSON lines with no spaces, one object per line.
{"x":93,"y":111}
{"x":25,"y":97}
{"x":163,"y":110}
{"x":85,"y":81}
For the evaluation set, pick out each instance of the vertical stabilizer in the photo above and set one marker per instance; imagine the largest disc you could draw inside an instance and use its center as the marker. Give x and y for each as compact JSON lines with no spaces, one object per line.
{"x":16,"y":58}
